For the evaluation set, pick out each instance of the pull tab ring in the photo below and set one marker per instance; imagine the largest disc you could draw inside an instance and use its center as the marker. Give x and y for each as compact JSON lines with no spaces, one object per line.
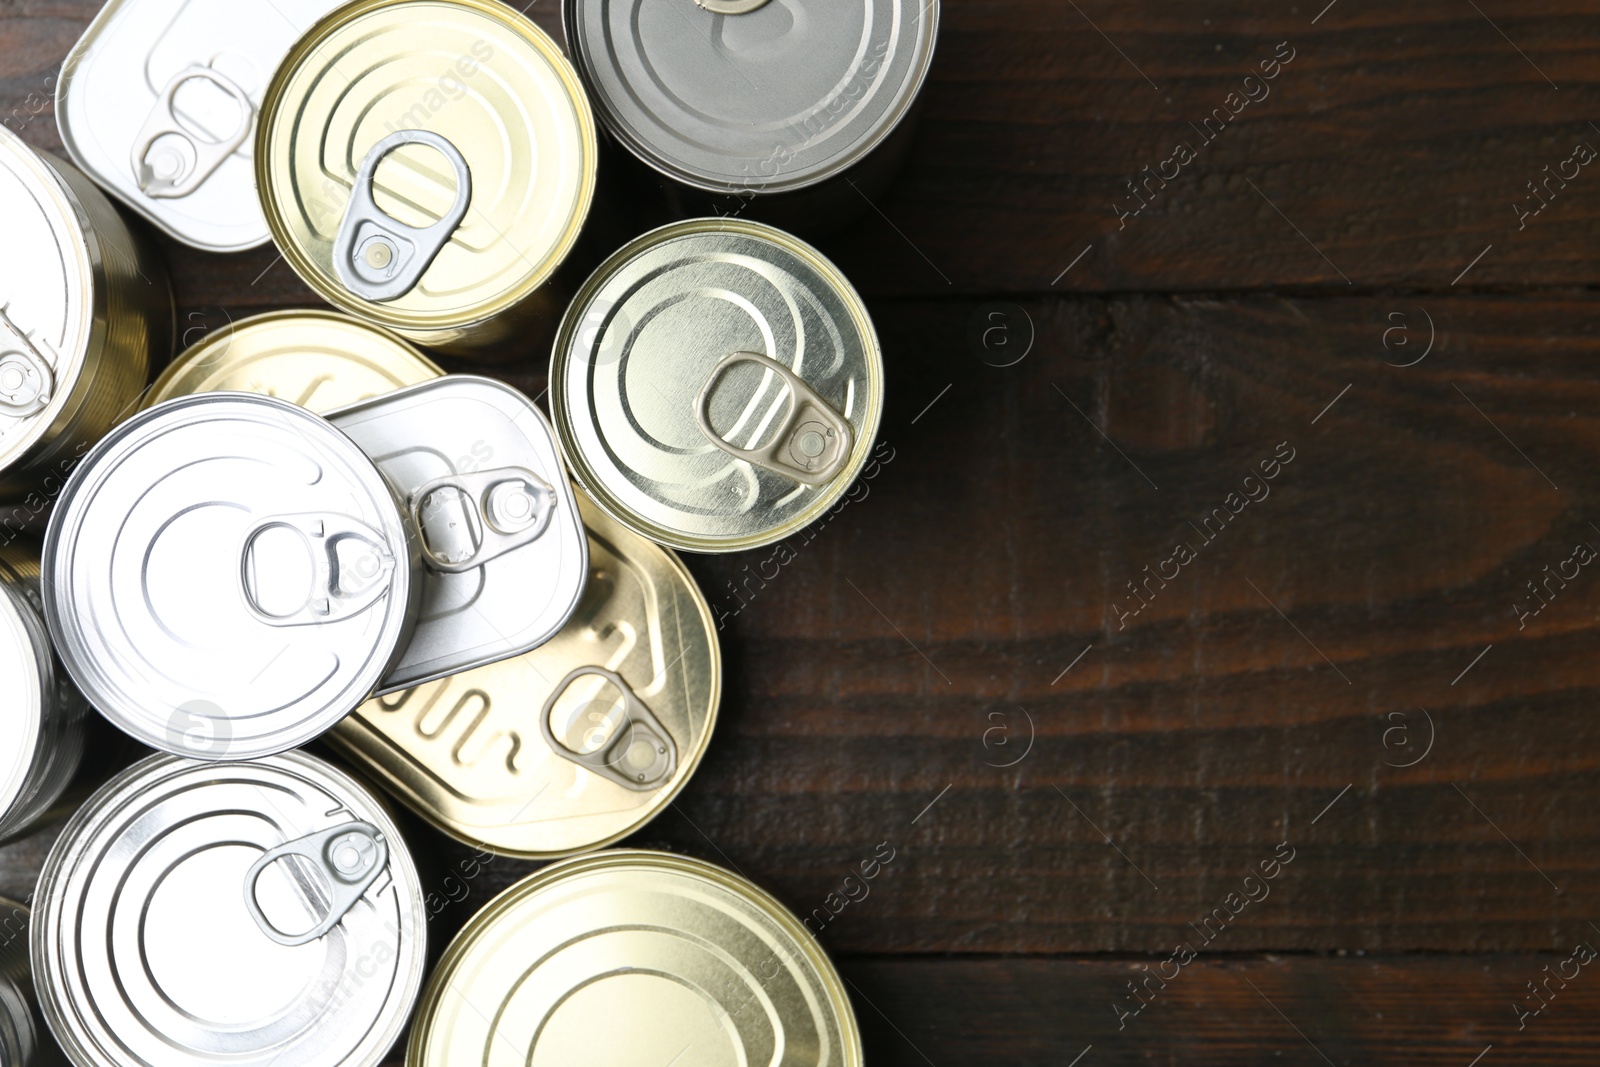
{"x":811,"y":447}
{"x":377,"y":256}
{"x":349,"y":856}
{"x":639,"y":731}
{"x":510,"y":507}
{"x":730,"y":7}
{"x":330,"y":597}
{"x":205,"y":156}
{"x":27,"y":380}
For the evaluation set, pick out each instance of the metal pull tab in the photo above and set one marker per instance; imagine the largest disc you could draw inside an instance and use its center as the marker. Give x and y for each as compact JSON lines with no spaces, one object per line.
{"x":350,"y":857}
{"x":730,"y":7}
{"x":27,"y":380}
{"x":632,"y":749}
{"x":180,"y":166}
{"x":377,"y":256}
{"x":351,"y":568}
{"x":813,"y":444}
{"x":466,"y":520}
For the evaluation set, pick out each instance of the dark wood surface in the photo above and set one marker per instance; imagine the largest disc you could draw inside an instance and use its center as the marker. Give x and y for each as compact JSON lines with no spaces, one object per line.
{"x":952,"y":664}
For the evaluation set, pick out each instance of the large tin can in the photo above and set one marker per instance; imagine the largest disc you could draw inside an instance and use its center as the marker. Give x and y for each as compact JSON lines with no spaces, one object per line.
{"x":767,"y":108}
{"x":157,"y":103}
{"x":25,"y":1041}
{"x":716,"y":385}
{"x":85,"y":306}
{"x":631,"y":957}
{"x":42,"y":742}
{"x":427,"y":165}
{"x":265,"y":916}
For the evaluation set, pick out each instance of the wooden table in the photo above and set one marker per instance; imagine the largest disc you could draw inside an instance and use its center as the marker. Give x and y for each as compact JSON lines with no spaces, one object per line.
{"x":1081,"y":741}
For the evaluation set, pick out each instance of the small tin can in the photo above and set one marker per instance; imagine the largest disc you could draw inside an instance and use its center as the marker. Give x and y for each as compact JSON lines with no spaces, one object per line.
{"x":84,"y":308}
{"x":157,"y":103}
{"x":628,"y":957}
{"x":268,"y":915}
{"x":716,"y":385}
{"x":427,"y":165}
{"x":626,"y":697}
{"x":42,"y":743}
{"x":25,"y":1041}
{"x":256,"y":565}
{"x":494,"y":517}
{"x":316,"y":359}
{"x":768,"y":108}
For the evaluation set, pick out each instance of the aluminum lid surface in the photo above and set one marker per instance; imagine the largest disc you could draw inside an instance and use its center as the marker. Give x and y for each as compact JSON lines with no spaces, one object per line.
{"x":499,"y":531}
{"x":716,"y":385}
{"x":157,"y":103}
{"x":776,"y":97}
{"x":316,"y":359}
{"x":227,"y":576}
{"x":478,"y":80}
{"x":631,"y":957}
{"x":165,"y":906}
{"x":467,"y":753}
{"x":29,"y":678}
{"x":47,"y":302}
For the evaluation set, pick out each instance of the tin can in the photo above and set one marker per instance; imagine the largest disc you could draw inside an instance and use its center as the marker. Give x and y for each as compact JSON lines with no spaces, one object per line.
{"x":493,"y":513}
{"x":630,"y":957}
{"x":257,"y":567}
{"x":24,"y":1039}
{"x":716,"y":385}
{"x":626,"y":698}
{"x":316,"y":359}
{"x":85,"y":307}
{"x":267,"y":915}
{"x":767,"y":108}
{"x":427,"y":165}
{"x":42,"y":744}
{"x":157,"y":103}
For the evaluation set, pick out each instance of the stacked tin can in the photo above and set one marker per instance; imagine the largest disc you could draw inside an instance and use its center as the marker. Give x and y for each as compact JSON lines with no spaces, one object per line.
{"x":305,"y":529}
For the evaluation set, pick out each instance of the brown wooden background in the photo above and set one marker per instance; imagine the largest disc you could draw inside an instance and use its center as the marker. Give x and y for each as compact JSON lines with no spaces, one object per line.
{"x":1358,"y":619}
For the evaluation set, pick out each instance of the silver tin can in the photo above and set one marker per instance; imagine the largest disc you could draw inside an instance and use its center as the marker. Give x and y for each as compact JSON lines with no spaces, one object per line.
{"x":265,"y":914}
{"x":774,"y":105}
{"x":42,"y":743}
{"x":228,"y":576}
{"x":25,"y":1041}
{"x":83,"y":307}
{"x":488,"y":499}
{"x":158,"y":101}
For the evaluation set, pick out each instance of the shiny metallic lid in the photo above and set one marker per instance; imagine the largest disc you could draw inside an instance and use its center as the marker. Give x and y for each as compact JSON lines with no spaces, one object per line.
{"x":716,"y":385}
{"x":626,"y":697}
{"x":316,"y":359}
{"x":24,"y":1039}
{"x":260,"y":914}
{"x":47,"y":312}
{"x":157,"y":103}
{"x":497,"y":524}
{"x":425,"y":163}
{"x":762,"y":96}
{"x":27,"y":669}
{"x":227,"y":576}
{"x":631,"y":957}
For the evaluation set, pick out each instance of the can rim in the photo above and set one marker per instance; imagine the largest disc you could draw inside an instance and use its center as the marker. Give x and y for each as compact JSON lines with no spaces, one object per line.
{"x":626,"y":859}
{"x":12,"y":624}
{"x":269,"y":117}
{"x":594,"y":487}
{"x":641,"y":150}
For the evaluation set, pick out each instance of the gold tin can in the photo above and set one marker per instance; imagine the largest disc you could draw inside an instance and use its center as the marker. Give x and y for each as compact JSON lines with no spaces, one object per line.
{"x":427,"y":165}
{"x":631,"y":957}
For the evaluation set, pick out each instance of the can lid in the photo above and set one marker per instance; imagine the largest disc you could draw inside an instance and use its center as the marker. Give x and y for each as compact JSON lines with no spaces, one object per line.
{"x":425,"y":164}
{"x":254,"y":563}
{"x":47,"y":313}
{"x":157,"y":103}
{"x":760,"y":96}
{"x":316,"y":359}
{"x":632,"y":957}
{"x":716,"y":384}
{"x":27,"y":667}
{"x":265,"y":915}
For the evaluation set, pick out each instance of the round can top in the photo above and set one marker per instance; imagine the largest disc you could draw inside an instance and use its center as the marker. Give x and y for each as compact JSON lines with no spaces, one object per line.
{"x":265,"y":914}
{"x":716,"y":385}
{"x":317,"y":359}
{"x":425,"y":164}
{"x":47,"y":280}
{"x":227,"y":576}
{"x":631,"y":957}
{"x":25,"y":664}
{"x":759,"y":96}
